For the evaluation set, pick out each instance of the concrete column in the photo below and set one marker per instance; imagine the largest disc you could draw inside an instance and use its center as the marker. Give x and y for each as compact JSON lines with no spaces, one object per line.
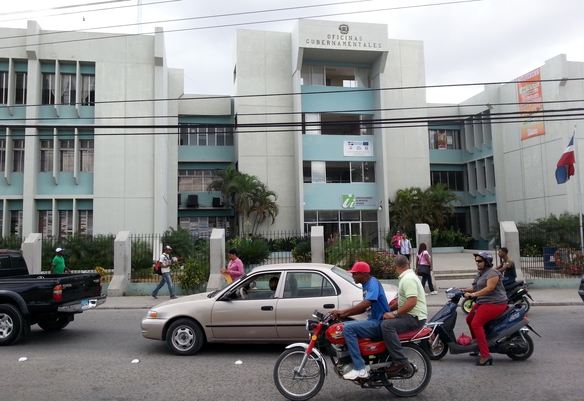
{"x":510,"y":240}
{"x":216,"y":259}
{"x":317,"y":244}
{"x":122,"y":265}
{"x":423,"y":234}
{"x":32,"y":250}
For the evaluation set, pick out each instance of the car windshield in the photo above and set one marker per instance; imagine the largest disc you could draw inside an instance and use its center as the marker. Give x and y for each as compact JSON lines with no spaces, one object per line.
{"x":345,"y":276}
{"x":229,"y":286}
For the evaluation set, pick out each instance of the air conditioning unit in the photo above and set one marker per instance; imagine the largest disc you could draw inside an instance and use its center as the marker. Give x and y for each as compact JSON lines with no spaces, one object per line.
{"x":193,"y":201}
{"x":217,"y":202}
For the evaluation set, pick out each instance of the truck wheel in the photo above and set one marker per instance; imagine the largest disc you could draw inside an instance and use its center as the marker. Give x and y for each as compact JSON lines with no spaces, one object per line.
{"x":53,"y":323}
{"x":11,"y":324}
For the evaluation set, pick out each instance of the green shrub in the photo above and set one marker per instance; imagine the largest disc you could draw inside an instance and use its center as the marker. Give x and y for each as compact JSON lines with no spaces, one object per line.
{"x":194,"y":273}
{"x":254,"y":252}
{"x":447,"y":238}
{"x":302,"y":253}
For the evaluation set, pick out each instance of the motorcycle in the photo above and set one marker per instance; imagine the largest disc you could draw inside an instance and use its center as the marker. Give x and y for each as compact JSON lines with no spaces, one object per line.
{"x":300,"y":370}
{"x":517,"y":293}
{"x":507,"y":334}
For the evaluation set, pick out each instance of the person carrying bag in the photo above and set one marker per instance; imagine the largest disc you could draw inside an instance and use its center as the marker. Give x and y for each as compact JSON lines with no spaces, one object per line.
{"x":424,"y":268}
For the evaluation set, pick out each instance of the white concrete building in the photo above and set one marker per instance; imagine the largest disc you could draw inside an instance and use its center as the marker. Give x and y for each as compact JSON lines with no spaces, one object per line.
{"x":97,"y":135}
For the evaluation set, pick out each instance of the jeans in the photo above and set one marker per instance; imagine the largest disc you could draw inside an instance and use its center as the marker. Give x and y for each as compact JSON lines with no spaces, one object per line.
{"x":355,"y":330}
{"x":428,"y":278}
{"x":477,"y":318}
{"x":164,"y":279}
{"x":390,"y":329}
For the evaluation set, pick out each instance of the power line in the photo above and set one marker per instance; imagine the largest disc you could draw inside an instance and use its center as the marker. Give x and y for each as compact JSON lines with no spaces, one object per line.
{"x":114,"y":36}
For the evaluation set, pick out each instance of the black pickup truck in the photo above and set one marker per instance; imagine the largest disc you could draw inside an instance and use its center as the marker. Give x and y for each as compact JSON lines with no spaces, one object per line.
{"x":49,"y":300}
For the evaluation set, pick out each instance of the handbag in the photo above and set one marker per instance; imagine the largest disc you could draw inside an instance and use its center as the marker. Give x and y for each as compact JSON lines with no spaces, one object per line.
{"x":157,"y":269}
{"x":423,"y":269}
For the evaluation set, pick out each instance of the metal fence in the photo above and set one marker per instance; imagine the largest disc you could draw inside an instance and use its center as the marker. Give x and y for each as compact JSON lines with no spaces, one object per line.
{"x":550,"y":250}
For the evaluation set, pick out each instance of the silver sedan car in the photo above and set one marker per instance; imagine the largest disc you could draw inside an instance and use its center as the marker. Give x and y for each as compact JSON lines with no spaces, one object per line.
{"x":270,"y":304}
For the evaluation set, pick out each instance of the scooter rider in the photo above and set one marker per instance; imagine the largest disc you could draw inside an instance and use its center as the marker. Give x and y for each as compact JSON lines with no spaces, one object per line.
{"x":488,"y":289}
{"x":374,"y":301}
{"x":507,"y":267}
{"x":410,"y":313}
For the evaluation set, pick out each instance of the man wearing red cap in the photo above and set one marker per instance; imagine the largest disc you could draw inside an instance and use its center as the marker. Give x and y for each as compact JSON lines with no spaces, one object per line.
{"x":374,"y":301}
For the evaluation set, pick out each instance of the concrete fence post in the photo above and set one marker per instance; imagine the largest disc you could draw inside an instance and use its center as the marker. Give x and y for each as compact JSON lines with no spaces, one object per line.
{"x":216,"y":259}
{"x":122,"y":265}
{"x":32,"y":250}
{"x":317,"y":244}
{"x":510,"y":240}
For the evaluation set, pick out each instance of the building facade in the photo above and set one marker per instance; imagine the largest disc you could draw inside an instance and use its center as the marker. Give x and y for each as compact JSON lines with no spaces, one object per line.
{"x":97,"y":135}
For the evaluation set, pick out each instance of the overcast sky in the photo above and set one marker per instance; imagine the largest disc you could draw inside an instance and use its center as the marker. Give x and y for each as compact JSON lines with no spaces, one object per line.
{"x":464,"y":41}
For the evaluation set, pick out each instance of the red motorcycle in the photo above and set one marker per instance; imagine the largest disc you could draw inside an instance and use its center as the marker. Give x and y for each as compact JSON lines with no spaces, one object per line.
{"x":300,"y":370}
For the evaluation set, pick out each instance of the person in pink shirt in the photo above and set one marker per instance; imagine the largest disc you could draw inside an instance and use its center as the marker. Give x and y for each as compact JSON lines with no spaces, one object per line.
{"x":235,"y":266}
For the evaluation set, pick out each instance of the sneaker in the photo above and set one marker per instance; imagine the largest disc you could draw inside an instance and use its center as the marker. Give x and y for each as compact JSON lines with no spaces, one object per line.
{"x":356,"y":374}
{"x":154,"y":296}
{"x":434,"y":293}
{"x":174,"y":297}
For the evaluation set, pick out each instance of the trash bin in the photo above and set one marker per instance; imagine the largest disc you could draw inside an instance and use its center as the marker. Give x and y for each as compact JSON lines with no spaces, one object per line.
{"x":549,"y":262}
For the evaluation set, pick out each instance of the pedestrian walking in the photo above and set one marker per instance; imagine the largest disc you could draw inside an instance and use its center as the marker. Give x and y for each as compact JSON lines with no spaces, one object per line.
{"x":424,"y":268}
{"x":165,"y":261}
{"x":406,"y":246}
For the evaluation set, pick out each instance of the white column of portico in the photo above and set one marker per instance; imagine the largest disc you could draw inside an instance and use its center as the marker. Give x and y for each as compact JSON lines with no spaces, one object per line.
{"x":216,"y":259}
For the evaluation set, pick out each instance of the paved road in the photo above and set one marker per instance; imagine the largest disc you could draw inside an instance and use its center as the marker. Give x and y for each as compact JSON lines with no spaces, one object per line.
{"x":92,"y":360}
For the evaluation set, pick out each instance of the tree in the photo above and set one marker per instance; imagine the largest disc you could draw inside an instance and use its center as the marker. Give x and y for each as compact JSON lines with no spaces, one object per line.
{"x":224,"y":183}
{"x":414,"y":205}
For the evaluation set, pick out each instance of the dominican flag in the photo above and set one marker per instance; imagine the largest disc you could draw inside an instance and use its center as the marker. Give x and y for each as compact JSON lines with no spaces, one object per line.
{"x":566,"y":164}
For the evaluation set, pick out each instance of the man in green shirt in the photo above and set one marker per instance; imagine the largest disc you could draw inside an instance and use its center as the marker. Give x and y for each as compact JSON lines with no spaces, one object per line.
{"x":410,"y":313}
{"x":59,"y":262}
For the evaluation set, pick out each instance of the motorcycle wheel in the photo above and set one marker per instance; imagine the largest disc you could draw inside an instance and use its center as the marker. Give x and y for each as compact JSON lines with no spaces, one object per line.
{"x":467,"y":306}
{"x":415,"y":378}
{"x":526,"y":354}
{"x":438,"y":351}
{"x":525,"y":302}
{"x":296,"y":385}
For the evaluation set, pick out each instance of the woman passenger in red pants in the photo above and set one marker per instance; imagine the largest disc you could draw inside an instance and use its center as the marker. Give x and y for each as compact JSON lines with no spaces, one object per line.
{"x":491,"y":301}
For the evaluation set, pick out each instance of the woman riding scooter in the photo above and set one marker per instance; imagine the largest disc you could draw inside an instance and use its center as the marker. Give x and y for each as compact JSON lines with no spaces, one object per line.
{"x":491,"y":301}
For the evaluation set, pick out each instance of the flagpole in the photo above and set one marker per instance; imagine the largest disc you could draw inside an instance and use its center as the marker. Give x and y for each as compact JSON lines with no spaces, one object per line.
{"x":579,"y":188}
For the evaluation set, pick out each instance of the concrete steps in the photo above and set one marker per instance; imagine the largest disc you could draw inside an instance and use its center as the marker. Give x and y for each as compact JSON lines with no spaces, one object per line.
{"x":455,"y":274}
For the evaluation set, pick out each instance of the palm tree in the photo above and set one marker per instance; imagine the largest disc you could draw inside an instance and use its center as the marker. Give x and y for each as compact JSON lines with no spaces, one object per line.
{"x":264,"y":206}
{"x":245,"y":185}
{"x":224,"y":183}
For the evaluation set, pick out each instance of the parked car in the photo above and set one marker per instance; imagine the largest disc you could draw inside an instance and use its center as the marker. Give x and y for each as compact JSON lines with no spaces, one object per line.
{"x":248,"y":310}
{"x":581,"y":289}
{"x":49,"y":300}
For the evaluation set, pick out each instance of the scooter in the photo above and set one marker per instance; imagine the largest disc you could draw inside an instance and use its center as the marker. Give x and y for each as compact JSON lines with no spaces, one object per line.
{"x":300,"y":370}
{"x":517,"y":293}
{"x":506,"y":334}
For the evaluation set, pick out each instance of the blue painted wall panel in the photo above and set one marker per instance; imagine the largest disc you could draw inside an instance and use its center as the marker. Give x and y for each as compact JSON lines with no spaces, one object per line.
{"x":66,"y":186}
{"x":328,"y":196}
{"x":206,"y":153}
{"x":322,"y":99}
{"x":15,"y":187}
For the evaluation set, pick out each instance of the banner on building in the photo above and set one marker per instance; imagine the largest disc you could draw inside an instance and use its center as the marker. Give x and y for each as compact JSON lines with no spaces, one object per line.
{"x":357,"y":148}
{"x":349,"y":201}
{"x":530,"y":105}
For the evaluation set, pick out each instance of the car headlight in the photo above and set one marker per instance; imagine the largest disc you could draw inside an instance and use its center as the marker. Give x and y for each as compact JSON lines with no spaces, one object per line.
{"x":152,"y":314}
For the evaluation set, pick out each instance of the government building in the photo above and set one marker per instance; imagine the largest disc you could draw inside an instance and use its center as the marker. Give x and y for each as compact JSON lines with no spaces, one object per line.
{"x":98,"y":136}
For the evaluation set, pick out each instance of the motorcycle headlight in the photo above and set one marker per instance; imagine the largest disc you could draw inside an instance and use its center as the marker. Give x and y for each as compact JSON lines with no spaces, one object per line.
{"x":310,"y":324}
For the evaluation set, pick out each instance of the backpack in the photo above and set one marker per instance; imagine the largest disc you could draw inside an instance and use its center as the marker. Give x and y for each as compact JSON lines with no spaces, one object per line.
{"x":157,"y":268}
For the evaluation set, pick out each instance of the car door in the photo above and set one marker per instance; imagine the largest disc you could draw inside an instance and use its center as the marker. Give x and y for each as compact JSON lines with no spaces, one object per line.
{"x":248,"y":312}
{"x":303,"y":292}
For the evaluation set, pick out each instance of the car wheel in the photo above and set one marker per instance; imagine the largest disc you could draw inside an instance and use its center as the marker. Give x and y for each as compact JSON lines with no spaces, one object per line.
{"x":185,"y":337}
{"x":11,"y":324}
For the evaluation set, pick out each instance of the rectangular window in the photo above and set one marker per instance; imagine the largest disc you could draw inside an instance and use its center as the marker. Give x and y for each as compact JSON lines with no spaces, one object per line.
{"x":18,"y":161}
{"x":68,"y":89}
{"x":45,"y":222}
{"x":202,"y":226}
{"x":46,"y":164}
{"x":67,"y":156}
{"x":16,"y":222}
{"x":48,"y":95}
{"x":65,"y":222}
{"x":444,"y":139}
{"x":86,"y":222}
{"x":338,"y":172}
{"x":195,"y":180}
{"x":201,"y":135}
{"x":318,"y":172}
{"x":454,"y":179}
{"x":20,"y":93}
{"x":3,"y":87}
{"x":307,"y":172}
{"x":348,"y":77}
{"x":86,"y":154}
{"x":337,"y":124}
{"x":2,"y":155}
{"x":88,"y":90}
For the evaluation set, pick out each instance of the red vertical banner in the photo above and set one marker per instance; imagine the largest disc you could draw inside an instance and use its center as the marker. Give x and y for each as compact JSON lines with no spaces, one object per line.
{"x":530,"y":104}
